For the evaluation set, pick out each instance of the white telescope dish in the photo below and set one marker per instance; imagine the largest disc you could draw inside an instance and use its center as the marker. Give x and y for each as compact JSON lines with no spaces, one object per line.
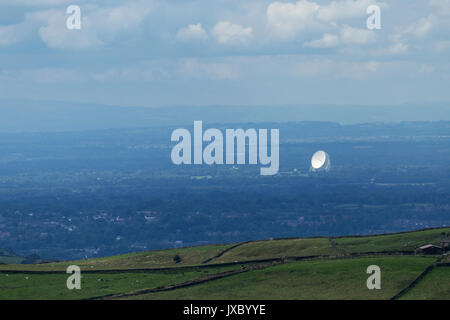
{"x":320,"y":161}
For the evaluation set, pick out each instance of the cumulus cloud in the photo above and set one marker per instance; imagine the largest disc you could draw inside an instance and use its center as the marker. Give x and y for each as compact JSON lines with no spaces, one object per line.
{"x":192,"y":32}
{"x":327,"y":41}
{"x":287,"y":20}
{"x":347,"y":9}
{"x":100,"y":25}
{"x":351,"y":35}
{"x":55,"y":35}
{"x":429,"y":31}
{"x":418,"y":29}
{"x":396,"y":48}
{"x":348,"y":35}
{"x":228,"y":33}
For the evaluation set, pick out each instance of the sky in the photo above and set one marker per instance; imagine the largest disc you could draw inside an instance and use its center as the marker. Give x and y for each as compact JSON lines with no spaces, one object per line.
{"x":225,"y":52}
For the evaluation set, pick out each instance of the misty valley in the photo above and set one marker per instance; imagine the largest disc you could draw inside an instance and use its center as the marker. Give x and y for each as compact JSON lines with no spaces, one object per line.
{"x":94,"y":193}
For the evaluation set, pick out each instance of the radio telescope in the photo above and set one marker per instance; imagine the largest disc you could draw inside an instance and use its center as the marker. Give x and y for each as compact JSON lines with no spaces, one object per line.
{"x":320,"y":161}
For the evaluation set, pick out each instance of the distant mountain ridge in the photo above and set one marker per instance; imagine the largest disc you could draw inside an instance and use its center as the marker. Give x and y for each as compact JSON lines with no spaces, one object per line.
{"x":51,"y":116}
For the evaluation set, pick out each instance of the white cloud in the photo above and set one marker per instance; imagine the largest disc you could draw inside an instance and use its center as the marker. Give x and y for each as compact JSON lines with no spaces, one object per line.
{"x":192,"y":32}
{"x":128,"y":16}
{"x":99,"y":25}
{"x":327,"y":41}
{"x":346,"y":9}
{"x":287,"y":20}
{"x":348,"y":35}
{"x":55,"y":34}
{"x":396,"y":48}
{"x":422,"y":27}
{"x":229,"y":33}
{"x":430,"y":31}
{"x":351,"y":35}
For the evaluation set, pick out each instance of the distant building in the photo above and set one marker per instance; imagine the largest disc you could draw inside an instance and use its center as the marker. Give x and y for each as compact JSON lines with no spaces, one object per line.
{"x":445,"y":244}
{"x":430,"y":249}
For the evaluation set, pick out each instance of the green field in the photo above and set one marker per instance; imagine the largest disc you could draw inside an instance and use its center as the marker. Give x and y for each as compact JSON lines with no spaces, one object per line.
{"x":434,"y":286}
{"x":301,"y":268}
{"x":53,"y":286}
{"x":332,"y":279}
{"x":260,"y":250}
{"x":392,"y":242}
{"x":148,"y":259}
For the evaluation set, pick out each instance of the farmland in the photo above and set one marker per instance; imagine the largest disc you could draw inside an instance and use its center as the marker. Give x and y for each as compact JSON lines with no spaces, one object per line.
{"x":297,"y":268}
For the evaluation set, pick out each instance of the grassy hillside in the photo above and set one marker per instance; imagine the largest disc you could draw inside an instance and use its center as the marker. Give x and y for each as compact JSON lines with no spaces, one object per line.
{"x":303,"y":268}
{"x":260,"y":250}
{"x":332,"y":279}
{"x":434,"y":286}
{"x":139,"y":260}
{"x":392,"y":242}
{"x":53,"y":285}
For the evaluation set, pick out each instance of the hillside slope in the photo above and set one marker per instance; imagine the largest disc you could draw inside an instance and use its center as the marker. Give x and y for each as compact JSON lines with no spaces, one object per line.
{"x":300,"y":268}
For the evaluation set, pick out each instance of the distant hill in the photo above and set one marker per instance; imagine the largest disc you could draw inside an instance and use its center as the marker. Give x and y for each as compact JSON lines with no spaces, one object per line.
{"x":8,"y":257}
{"x":30,"y":116}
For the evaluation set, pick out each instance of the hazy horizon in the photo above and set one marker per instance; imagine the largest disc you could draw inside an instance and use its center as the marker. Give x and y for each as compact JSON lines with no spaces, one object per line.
{"x":53,"y":116}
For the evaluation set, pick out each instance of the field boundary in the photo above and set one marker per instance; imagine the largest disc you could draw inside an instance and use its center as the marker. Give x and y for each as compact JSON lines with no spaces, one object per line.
{"x":190,"y":283}
{"x":275,"y":239}
{"x":420,"y":277}
{"x":145,"y":269}
{"x":336,"y":248}
{"x":225,"y":251}
{"x":279,"y":261}
{"x":170,"y":288}
{"x":354,"y":235}
{"x":225,"y":264}
{"x":389,"y":233}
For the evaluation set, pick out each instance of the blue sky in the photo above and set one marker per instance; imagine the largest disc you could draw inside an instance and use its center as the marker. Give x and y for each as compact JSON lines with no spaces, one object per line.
{"x":203,"y":52}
